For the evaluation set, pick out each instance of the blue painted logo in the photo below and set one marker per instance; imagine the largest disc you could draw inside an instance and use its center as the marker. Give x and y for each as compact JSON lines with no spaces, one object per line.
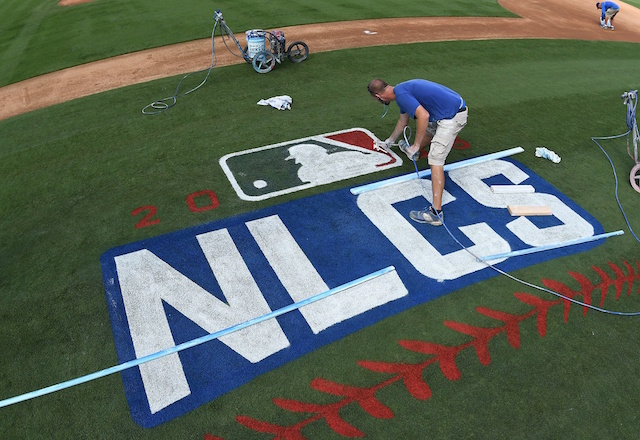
{"x":174,"y":288}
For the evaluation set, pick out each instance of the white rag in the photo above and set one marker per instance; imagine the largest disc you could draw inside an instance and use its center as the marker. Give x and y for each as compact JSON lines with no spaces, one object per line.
{"x":280,"y":102}
{"x":547,"y":154}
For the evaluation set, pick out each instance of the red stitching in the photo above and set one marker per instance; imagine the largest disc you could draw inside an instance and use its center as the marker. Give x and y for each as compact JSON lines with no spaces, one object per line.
{"x":412,"y":375}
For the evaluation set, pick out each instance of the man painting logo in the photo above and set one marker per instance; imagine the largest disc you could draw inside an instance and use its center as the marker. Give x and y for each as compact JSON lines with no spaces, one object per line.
{"x":273,"y":170}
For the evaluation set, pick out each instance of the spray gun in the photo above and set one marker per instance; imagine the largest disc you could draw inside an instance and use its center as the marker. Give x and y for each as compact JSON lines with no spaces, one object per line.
{"x":629,"y":95}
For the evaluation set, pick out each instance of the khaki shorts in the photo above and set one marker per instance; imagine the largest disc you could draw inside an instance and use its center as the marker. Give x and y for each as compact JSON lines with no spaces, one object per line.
{"x":444,"y":134}
{"x":611,"y":12}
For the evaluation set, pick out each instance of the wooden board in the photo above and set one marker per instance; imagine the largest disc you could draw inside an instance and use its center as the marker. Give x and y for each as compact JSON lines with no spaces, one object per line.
{"x":517,"y":210}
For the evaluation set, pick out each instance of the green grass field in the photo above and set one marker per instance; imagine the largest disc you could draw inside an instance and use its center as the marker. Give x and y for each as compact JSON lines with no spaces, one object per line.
{"x":73,"y":173}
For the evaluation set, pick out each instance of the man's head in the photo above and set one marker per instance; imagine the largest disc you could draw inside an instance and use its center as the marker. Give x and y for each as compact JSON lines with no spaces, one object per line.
{"x":377,"y":89}
{"x":598,"y":5}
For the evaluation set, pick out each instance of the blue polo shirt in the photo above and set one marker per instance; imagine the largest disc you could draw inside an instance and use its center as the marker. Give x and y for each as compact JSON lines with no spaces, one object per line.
{"x":607,"y":5}
{"x":441,"y":102}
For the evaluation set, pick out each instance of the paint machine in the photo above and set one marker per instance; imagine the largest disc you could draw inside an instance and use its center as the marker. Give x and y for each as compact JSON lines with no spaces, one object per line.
{"x":264,"y":48}
{"x":630,"y":99}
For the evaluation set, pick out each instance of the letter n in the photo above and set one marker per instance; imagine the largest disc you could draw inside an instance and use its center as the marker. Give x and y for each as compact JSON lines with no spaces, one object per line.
{"x":146,"y":282}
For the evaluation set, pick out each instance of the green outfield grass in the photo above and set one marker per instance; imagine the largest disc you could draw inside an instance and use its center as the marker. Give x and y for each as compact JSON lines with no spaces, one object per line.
{"x":73,"y":173}
{"x":38,"y":36}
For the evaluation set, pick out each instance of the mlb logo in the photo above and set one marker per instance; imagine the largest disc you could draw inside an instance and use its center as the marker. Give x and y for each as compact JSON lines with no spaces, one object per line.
{"x":273,"y":170}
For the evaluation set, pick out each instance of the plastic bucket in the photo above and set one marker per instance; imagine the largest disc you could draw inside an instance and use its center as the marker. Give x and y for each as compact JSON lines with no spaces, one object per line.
{"x":256,"y":42}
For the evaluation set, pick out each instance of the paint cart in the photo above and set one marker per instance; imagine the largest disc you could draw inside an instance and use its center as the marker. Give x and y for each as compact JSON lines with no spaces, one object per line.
{"x":265,"y":48}
{"x":631,"y":101}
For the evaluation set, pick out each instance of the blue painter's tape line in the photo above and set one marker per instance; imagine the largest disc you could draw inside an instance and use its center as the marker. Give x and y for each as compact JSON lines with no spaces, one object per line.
{"x":192,"y":343}
{"x":550,"y":246}
{"x":406,"y":177}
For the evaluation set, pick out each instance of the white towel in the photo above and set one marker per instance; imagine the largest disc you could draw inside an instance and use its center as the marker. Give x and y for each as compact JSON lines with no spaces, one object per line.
{"x":280,"y":102}
{"x":547,"y":154}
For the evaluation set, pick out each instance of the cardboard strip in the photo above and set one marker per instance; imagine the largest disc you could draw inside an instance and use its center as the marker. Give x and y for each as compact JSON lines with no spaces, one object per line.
{"x":425,"y":173}
{"x":550,"y":246}
{"x":512,"y":189}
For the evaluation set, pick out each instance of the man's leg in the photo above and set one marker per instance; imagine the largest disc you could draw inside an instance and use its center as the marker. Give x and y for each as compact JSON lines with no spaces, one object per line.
{"x":426,"y":140}
{"x":612,"y":17}
{"x":428,"y":215}
{"x":437,"y":185}
{"x":441,"y":144}
{"x":609,"y":17}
